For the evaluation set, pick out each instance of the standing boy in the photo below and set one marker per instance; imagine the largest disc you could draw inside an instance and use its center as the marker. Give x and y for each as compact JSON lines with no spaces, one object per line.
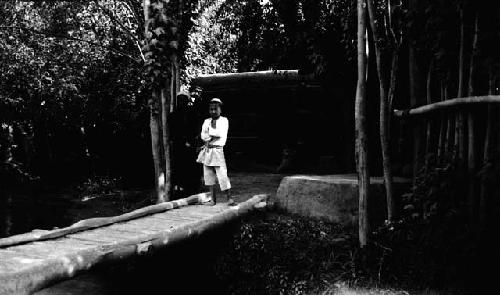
{"x":214,"y":135}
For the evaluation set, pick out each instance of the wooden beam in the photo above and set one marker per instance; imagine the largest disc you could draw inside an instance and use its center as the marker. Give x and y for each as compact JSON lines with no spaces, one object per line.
{"x":451,"y":103}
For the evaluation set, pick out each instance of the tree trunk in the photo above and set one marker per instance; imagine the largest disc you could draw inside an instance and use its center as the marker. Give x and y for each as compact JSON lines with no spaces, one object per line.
{"x":490,"y":140}
{"x":26,"y":132}
{"x":86,"y":150}
{"x":360,"y":127}
{"x":383,"y":114}
{"x":175,"y":81}
{"x":471,"y":149}
{"x":490,"y":125}
{"x":7,"y":136}
{"x":429,"y":120}
{"x":6,"y":210}
{"x":459,"y":126}
{"x":156,"y":144}
{"x":155,"y":123}
{"x":165,"y":108}
{"x":448,"y":144}
{"x":392,"y":87}
{"x":442,"y":126}
{"x":415,"y":92}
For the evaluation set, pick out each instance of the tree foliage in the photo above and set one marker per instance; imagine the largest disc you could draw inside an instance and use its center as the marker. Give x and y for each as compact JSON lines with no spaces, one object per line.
{"x":313,"y":36}
{"x":67,"y":67}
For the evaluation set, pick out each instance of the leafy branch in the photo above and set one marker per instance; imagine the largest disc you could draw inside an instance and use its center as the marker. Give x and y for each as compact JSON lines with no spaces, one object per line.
{"x":115,"y":20}
{"x":47,"y":34}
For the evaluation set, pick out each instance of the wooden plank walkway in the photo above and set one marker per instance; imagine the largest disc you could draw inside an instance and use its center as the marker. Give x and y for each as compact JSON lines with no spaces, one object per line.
{"x":32,"y":261}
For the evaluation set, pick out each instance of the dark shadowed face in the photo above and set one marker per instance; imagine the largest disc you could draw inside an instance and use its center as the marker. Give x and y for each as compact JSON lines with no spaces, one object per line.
{"x":214,"y":109}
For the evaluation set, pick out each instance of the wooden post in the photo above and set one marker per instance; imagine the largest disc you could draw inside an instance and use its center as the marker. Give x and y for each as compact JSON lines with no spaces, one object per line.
{"x":360,"y":129}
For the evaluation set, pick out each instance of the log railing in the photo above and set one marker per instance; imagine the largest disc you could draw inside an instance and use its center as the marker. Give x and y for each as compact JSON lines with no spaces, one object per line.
{"x":450,"y":103}
{"x":461,"y":131}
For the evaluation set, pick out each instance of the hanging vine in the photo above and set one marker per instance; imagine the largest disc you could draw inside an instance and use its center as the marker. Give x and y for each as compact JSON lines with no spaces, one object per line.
{"x":161,"y":41}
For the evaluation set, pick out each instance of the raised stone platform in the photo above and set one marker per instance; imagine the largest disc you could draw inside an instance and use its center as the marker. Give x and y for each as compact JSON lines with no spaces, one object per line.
{"x":333,"y":197}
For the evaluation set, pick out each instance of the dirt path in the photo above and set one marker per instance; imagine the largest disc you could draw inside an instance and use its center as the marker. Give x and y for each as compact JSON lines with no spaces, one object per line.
{"x":246,"y":185}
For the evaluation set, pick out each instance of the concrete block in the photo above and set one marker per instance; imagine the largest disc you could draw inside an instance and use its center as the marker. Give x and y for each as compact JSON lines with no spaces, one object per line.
{"x":333,"y":197}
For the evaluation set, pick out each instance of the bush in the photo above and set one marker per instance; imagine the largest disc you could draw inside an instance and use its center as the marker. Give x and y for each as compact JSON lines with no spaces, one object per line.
{"x":98,"y":186}
{"x":280,"y":254}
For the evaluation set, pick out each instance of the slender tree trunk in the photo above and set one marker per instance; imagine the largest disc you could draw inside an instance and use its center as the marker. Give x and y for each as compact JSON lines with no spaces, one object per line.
{"x":173,"y":82}
{"x":383,"y":114}
{"x":459,"y":126}
{"x":6,"y":143}
{"x":165,"y":108}
{"x":471,"y":148}
{"x":156,"y":144}
{"x":86,"y":150}
{"x":442,"y":128}
{"x":392,"y":87}
{"x":361,"y":133}
{"x":448,"y":144}
{"x":429,"y":120}
{"x":490,"y":140}
{"x":26,"y":133}
{"x":6,"y":213}
{"x":415,"y":92}
{"x":489,"y":136}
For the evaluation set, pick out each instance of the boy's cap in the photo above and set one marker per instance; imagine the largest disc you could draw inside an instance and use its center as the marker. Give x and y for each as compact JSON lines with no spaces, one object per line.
{"x":184,"y":93}
{"x":216,"y":100}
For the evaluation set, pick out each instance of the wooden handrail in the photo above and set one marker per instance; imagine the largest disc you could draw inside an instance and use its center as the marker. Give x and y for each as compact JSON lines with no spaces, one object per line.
{"x":450,"y":103}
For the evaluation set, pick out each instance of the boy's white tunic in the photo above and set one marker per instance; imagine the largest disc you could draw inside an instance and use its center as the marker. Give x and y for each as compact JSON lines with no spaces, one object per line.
{"x":212,"y":155}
